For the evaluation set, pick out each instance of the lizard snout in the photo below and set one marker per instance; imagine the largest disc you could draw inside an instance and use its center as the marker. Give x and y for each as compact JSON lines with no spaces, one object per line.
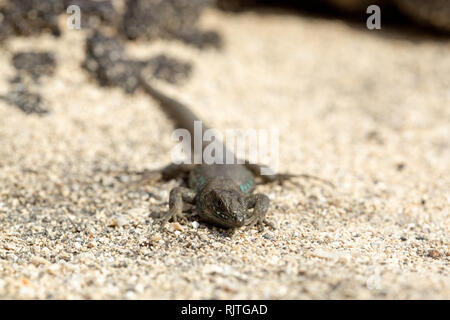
{"x":238,"y":218}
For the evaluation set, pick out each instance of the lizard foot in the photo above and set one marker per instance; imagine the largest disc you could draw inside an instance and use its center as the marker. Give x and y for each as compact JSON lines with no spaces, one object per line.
{"x":178,"y":196}
{"x":174,"y":216}
{"x":260,"y":222}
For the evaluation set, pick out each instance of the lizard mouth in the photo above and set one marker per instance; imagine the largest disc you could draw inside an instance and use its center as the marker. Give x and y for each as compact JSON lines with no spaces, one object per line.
{"x":221,"y":219}
{"x":239,"y":220}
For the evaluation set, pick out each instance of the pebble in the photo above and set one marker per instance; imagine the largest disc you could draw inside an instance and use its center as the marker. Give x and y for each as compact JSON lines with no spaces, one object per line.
{"x":176,"y":226}
{"x":434,"y":254}
{"x":118,"y":221}
{"x":137,"y":212}
{"x":121,"y":221}
{"x":267,"y":236}
{"x":155,"y":238}
{"x":37,"y":261}
{"x":130,"y":295}
{"x":195,"y":224}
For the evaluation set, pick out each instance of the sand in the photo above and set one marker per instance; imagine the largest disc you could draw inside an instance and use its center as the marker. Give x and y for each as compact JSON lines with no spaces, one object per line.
{"x":367,"y":110}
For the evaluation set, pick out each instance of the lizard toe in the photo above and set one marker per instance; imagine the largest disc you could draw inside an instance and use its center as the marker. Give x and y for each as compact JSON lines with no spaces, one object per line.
{"x":270,"y":224}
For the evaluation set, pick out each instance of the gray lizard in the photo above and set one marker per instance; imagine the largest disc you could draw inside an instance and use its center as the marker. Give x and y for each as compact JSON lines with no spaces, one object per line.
{"x":222,"y":194}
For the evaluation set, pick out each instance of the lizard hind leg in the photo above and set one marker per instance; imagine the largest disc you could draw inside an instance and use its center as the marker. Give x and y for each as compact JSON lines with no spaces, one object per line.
{"x":169,"y":172}
{"x":178,"y":196}
{"x":260,"y":204}
{"x":256,"y":169}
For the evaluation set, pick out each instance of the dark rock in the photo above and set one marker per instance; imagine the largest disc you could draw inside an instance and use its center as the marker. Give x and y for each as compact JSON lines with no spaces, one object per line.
{"x":169,"y":69}
{"x":356,"y":6}
{"x":435,"y":13}
{"x":29,"y":17}
{"x":34,"y":64}
{"x":95,"y":13}
{"x":168,"y":19}
{"x":107,"y":61}
{"x":267,"y":236}
{"x":27,"y":101}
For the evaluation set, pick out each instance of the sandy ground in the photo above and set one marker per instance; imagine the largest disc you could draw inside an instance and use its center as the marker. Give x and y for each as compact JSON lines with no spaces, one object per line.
{"x":367,"y":110}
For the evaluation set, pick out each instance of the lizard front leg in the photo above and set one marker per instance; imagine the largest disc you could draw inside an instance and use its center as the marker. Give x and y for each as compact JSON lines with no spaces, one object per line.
{"x":177,"y":196}
{"x":260,"y":204}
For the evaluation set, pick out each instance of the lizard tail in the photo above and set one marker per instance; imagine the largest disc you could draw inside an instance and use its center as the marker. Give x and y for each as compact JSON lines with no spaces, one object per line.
{"x":182,"y":116}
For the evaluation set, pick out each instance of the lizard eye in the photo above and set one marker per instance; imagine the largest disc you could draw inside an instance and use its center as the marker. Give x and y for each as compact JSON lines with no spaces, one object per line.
{"x":221,"y":215}
{"x":218,"y":205}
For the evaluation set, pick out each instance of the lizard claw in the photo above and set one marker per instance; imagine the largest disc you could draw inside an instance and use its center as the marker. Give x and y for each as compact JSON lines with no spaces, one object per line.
{"x":172,"y":215}
{"x":260,"y":223}
{"x":268,"y":223}
{"x":169,"y":215}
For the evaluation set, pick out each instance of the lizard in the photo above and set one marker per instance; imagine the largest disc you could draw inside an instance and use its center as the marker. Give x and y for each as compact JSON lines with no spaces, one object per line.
{"x":222,"y":194}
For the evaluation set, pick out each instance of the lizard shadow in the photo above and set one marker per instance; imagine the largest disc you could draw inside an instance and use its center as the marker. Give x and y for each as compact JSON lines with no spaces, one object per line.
{"x":395,"y":24}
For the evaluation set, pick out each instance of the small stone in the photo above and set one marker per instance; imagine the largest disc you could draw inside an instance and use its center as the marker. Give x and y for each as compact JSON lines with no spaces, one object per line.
{"x":113,"y":223}
{"x":121,"y":221}
{"x":37,"y":261}
{"x":195,"y":224}
{"x":212,"y":269}
{"x":227,"y":286}
{"x":274,"y":259}
{"x":434,"y":254}
{"x":53,"y":269}
{"x":130,"y":295}
{"x":137,"y":212}
{"x":155,"y":238}
{"x":25,"y":281}
{"x":177,"y":226}
{"x":9,"y":246}
{"x":331,"y":255}
{"x":118,"y":221}
{"x":267,"y":236}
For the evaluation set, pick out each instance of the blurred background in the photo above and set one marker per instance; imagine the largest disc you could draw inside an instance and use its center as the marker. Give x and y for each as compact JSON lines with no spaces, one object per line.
{"x":130,"y":20}
{"x":108,"y":24}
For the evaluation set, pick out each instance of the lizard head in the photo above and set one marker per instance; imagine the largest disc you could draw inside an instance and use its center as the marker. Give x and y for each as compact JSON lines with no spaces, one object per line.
{"x":227,"y":208}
